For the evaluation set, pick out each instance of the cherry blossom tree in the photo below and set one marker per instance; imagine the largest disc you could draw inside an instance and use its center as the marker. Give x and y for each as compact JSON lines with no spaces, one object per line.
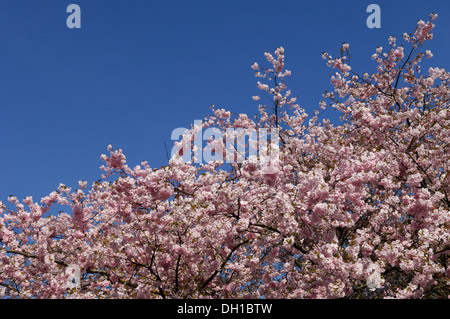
{"x":355,"y":210}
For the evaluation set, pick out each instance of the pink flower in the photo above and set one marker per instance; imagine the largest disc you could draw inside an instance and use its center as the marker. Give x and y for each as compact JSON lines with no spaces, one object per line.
{"x":399,"y":53}
{"x":82,"y":184}
{"x":264,"y":87}
{"x":414,"y":180}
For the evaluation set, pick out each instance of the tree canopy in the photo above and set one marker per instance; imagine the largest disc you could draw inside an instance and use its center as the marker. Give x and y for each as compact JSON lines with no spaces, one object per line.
{"x":355,"y":210}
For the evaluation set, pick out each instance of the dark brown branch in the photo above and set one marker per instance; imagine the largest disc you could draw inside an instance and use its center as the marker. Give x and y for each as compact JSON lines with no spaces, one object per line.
{"x":158,"y":278}
{"x":176,"y":273}
{"x":63,"y":263}
{"x":402,"y":67}
{"x":16,"y":252}
{"x":222,"y":266}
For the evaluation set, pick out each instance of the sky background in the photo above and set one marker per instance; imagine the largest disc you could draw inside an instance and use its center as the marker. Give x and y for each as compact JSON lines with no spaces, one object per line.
{"x":138,"y":69}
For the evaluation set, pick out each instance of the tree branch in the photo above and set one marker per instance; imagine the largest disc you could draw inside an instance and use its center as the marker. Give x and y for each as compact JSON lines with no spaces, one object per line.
{"x":16,"y":252}
{"x":63,"y":263}
{"x":222,"y":266}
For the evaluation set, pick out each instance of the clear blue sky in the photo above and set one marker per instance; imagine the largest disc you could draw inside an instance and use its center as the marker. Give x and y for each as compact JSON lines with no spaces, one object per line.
{"x":138,"y":69}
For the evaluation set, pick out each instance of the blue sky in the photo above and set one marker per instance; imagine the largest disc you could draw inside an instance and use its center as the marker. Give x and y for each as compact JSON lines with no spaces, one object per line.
{"x":136,"y":70}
